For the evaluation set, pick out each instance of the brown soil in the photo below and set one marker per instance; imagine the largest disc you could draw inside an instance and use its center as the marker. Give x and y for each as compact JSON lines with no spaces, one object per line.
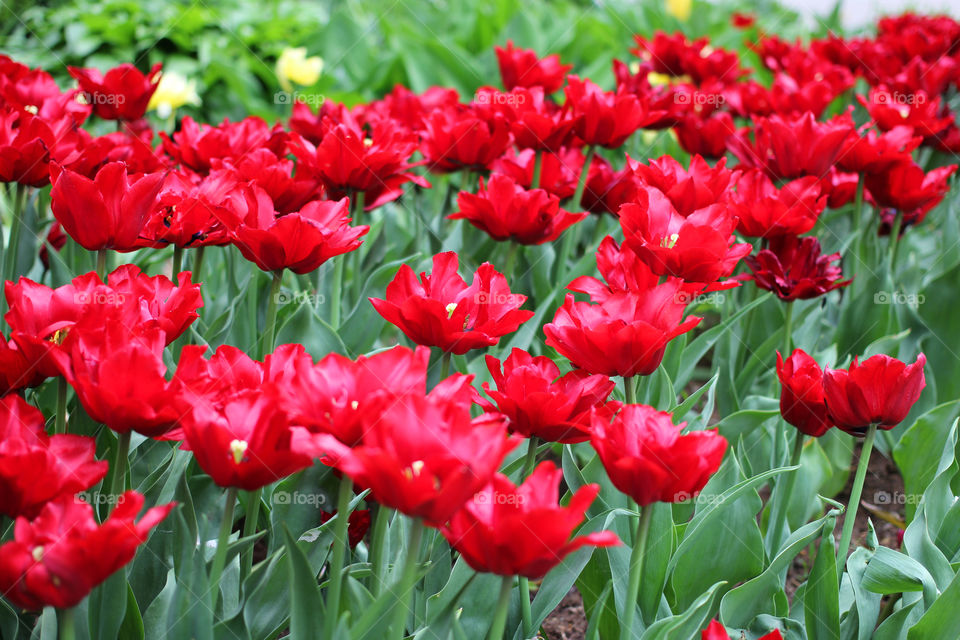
{"x":568,"y":621}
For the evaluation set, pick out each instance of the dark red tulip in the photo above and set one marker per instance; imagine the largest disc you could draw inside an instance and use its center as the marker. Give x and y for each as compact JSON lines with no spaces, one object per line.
{"x":794,"y":268}
{"x":300,"y":241}
{"x":676,"y":56}
{"x":507,"y":211}
{"x":540,"y":402}
{"x":906,"y":188}
{"x":880,"y":390}
{"x":357,"y":524}
{"x":648,"y":459}
{"x":764,"y":211}
{"x":122,"y":93}
{"x":108,"y":212}
{"x":608,"y":190}
{"x":442,"y":310}
{"x":424,"y":456}
{"x":742,"y":20}
{"x":510,"y":530}
{"x":698,"y":247}
{"x":605,"y":118}
{"x":59,"y":557}
{"x":36,"y":468}
{"x":801,"y":393}
{"x":524,"y":68}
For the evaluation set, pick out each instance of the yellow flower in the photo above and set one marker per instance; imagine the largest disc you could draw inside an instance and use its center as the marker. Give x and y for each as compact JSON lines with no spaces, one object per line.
{"x":173,"y":91}
{"x":293,"y":65}
{"x":680,"y":9}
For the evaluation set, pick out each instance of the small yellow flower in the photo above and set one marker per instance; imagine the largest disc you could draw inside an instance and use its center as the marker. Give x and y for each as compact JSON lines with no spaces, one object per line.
{"x":173,"y":91}
{"x":680,"y":9}
{"x":293,"y":66}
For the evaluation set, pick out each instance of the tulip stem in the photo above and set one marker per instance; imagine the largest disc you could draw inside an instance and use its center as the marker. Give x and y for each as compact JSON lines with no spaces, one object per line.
{"x":781,"y":502}
{"x":787,"y":329}
{"x":270,"y":332}
{"x":378,"y":547}
{"x":340,"y":530}
{"x":537,"y":169}
{"x":401,"y":606}
{"x":67,"y":624}
{"x":530,"y":461}
{"x":572,"y":234}
{"x":16,"y":224}
{"x":858,"y":217}
{"x":630,"y":389}
{"x":177,"y":262}
{"x":445,"y":364}
{"x":533,"y":443}
{"x":894,"y":242}
{"x":356,"y":262}
{"x":60,"y":426}
{"x":250,"y":528}
{"x":850,"y":516}
{"x":120,"y":464}
{"x":511,"y":259}
{"x":223,"y":541}
{"x":636,"y":571}
{"x":197,"y":263}
{"x":102,"y":264}
{"x":503,"y":606}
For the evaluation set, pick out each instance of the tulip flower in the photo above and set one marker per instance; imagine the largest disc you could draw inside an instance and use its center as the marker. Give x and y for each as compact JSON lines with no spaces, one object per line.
{"x":441,"y":310}
{"x":522,"y":530}
{"x":36,"y":468}
{"x":29,"y":143}
{"x":716,"y":631}
{"x":687,"y":191}
{"x":905,"y":187}
{"x":764,"y":211}
{"x":507,"y":211}
{"x":794,"y":269}
{"x":359,"y":524}
{"x":802,"y":402}
{"x":108,"y":212}
{"x":122,"y":93}
{"x":173,"y":91}
{"x":60,"y":556}
{"x":706,"y":137}
{"x":874,"y":153}
{"x":539,"y":402}
{"x":294,"y":67}
{"x":195,"y":146}
{"x":919,"y":111}
{"x":674,"y":55}
{"x":458,"y":138}
{"x":604,"y":118}
{"x":524,"y":68}
{"x":697,"y":247}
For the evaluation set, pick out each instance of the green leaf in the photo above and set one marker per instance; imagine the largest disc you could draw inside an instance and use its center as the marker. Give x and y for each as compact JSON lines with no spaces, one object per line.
{"x":892,"y":572}
{"x":912,"y":453}
{"x":941,"y":620}
{"x":821,"y":598}
{"x":132,"y":627}
{"x":690,"y":621}
{"x":306,"y":605}
{"x":105,"y":617}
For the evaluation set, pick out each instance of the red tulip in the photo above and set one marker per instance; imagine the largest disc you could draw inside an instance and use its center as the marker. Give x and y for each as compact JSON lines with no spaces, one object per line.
{"x":196,"y":146}
{"x":28,"y":144}
{"x":443,"y":311}
{"x":107,"y":212}
{"x":524,"y":68}
{"x":422,"y":455}
{"x":247,"y":442}
{"x":36,"y":468}
{"x":905,"y":187}
{"x":60,"y":556}
{"x":608,"y":190}
{"x":646,"y":457}
{"x":687,"y":191}
{"x":625,"y":334}
{"x":510,"y":530}
{"x":794,"y":269}
{"x":300,"y":241}
{"x":764,"y":211}
{"x":458,"y":138}
{"x":791,"y":147}
{"x":604,"y":118}
{"x":558,"y":171}
{"x":274,"y":175}
{"x":880,"y":390}
{"x":742,"y":20}
{"x":507,"y":211}
{"x":537,"y":123}
{"x":705,"y":136}
{"x":873,"y":152}
{"x":891,"y":109}
{"x":122,"y":93}
{"x":541,"y":403}
{"x":676,"y":56}
{"x":716,"y":631}
{"x":801,"y":397}
{"x":697,"y":248}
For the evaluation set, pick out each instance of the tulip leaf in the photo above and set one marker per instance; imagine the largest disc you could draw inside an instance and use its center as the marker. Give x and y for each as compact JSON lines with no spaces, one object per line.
{"x":867,"y":604}
{"x":912,"y":453}
{"x":681,"y":409}
{"x":105,"y":617}
{"x":132,"y":627}
{"x":190,"y":614}
{"x":659,"y":549}
{"x":821,"y":597}
{"x":941,"y":619}
{"x":9,"y":622}
{"x":892,"y":572}
{"x":690,"y":621}
{"x":306,"y":605}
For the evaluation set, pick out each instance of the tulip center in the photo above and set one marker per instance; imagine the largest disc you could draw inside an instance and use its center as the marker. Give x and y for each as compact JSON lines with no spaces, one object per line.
{"x":32,"y":108}
{"x":414,"y":469}
{"x":451,"y":308}
{"x":668,"y":242}
{"x":238,"y":448}
{"x":354,"y":404}
{"x":368,"y":142}
{"x":37,"y":553}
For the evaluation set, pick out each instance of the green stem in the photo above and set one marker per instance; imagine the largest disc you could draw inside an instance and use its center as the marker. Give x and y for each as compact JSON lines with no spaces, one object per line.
{"x":503,"y":606}
{"x":60,"y":426}
{"x":850,"y":516}
{"x":378,"y":548}
{"x":631,"y":389}
{"x":787,"y":329}
{"x":102,"y":264}
{"x":335,"y":291}
{"x":571,"y":235}
{"x":781,"y":502}
{"x":120,"y":465}
{"x":582,"y":182}
{"x":340,"y":528}
{"x":530,"y":461}
{"x":356,"y":260}
{"x":177,"y":262}
{"x":636,"y":571}
{"x":270,"y":332}
{"x":511,"y":259}
{"x":858,"y":216}
{"x":223,"y":541}
{"x":197,"y":263}
{"x":250,"y":528}
{"x":445,"y":364}
{"x":407,"y":578}
{"x":67,"y":624}
{"x":894,"y":242}
{"x":16,"y":225}
{"x":537,"y":169}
